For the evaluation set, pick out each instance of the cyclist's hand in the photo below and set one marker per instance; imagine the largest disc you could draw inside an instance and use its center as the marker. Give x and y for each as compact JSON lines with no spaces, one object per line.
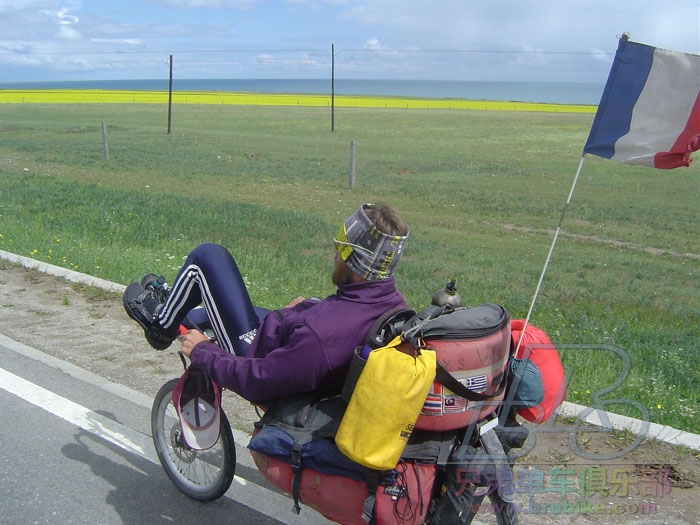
{"x":190,"y":339}
{"x":296,"y":301}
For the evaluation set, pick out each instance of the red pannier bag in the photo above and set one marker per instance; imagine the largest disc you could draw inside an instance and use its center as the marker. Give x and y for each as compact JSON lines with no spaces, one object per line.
{"x":473,"y":346}
{"x":341,"y":499}
{"x":293,"y":448}
{"x":537,"y":347}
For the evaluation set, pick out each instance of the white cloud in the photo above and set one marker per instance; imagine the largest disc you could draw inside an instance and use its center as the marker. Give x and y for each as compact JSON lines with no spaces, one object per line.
{"x":287,"y":62}
{"x":373,"y":44}
{"x":126,"y":41}
{"x":448,"y":39}
{"x":209,"y":4}
{"x":68,"y":33}
{"x":265,"y":58}
{"x":65,"y":18}
{"x":574,"y":25}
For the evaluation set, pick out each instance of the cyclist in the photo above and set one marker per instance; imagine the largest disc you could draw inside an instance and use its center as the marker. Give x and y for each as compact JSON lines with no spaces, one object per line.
{"x":306,"y":346}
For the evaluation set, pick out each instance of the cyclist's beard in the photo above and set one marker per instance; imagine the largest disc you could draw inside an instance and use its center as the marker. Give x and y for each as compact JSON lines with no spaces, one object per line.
{"x":342,"y":275}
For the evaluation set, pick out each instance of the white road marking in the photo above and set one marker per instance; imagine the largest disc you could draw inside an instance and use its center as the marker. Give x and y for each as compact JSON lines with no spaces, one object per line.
{"x":243,"y":491}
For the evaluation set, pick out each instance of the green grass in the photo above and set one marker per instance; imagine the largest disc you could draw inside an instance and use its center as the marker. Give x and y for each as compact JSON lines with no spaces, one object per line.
{"x":481,"y":190}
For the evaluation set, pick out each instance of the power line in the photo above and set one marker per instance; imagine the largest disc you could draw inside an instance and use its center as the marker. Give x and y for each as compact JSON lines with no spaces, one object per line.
{"x":318,"y":51}
{"x":486,"y":51}
{"x":160,"y":52}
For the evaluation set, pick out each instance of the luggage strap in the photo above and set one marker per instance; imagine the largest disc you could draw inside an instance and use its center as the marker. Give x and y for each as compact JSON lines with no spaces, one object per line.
{"x":451,"y":382}
{"x":296,"y":476}
{"x":368,"y":507}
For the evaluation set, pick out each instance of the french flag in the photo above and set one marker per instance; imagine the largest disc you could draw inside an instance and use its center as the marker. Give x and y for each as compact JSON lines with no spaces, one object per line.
{"x":649,"y":113}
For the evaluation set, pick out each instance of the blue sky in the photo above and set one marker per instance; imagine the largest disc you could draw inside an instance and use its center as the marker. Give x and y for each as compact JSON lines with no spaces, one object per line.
{"x":490,"y":40}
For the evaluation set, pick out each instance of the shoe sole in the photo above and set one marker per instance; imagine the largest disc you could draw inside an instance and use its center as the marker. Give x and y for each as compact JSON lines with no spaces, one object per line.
{"x":127,"y":298}
{"x":130,"y":297}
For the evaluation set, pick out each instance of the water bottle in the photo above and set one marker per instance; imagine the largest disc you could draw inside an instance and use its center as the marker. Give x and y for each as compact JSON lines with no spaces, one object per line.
{"x":447,"y":295}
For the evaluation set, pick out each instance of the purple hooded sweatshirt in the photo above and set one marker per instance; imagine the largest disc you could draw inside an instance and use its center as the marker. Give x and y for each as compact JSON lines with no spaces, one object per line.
{"x":304,"y":348}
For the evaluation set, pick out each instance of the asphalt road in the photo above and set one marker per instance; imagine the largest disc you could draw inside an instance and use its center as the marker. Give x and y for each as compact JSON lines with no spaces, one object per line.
{"x":77,"y":449}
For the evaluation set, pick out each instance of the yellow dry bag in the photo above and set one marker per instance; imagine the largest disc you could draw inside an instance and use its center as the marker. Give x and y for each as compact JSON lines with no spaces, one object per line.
{"x":385,"y":404}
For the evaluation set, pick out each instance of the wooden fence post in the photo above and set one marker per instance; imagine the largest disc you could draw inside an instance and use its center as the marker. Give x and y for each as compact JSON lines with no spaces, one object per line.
{"x":105,"y":145}
{"x":352,"y":164}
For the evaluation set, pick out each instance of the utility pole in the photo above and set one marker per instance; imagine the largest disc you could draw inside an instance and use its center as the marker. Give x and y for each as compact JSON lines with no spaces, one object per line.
{"x":170,"y":93}
{"x":332,"y":87}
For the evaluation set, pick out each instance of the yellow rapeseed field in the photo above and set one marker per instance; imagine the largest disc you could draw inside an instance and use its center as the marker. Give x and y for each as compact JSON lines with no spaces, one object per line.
{"x":99,"y":96}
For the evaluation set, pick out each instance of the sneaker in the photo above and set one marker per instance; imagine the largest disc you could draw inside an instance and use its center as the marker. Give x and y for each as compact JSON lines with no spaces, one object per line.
{"x":143,"y":304}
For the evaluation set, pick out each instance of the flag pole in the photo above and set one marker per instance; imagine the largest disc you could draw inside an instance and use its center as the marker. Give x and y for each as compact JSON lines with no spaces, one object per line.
{"x":549,"y":255}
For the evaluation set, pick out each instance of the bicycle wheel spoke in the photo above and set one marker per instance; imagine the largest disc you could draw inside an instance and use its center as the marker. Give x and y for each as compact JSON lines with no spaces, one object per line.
{"x":200,"y":474}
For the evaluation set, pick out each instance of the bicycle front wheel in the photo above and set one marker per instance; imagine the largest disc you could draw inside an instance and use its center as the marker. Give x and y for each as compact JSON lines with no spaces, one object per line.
{"x":203,"y":475}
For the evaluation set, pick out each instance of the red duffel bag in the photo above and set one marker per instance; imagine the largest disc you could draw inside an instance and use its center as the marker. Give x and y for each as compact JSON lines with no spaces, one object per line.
{"x":537,"y":347}
{"x":341,"y":499}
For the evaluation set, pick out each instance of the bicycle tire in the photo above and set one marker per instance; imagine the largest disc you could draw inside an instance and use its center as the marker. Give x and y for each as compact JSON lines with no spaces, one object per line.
{"x":203,"y":475}
{"x":501,"y":513}
{"x":458,"y":506}
{"x":508,"y":514}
